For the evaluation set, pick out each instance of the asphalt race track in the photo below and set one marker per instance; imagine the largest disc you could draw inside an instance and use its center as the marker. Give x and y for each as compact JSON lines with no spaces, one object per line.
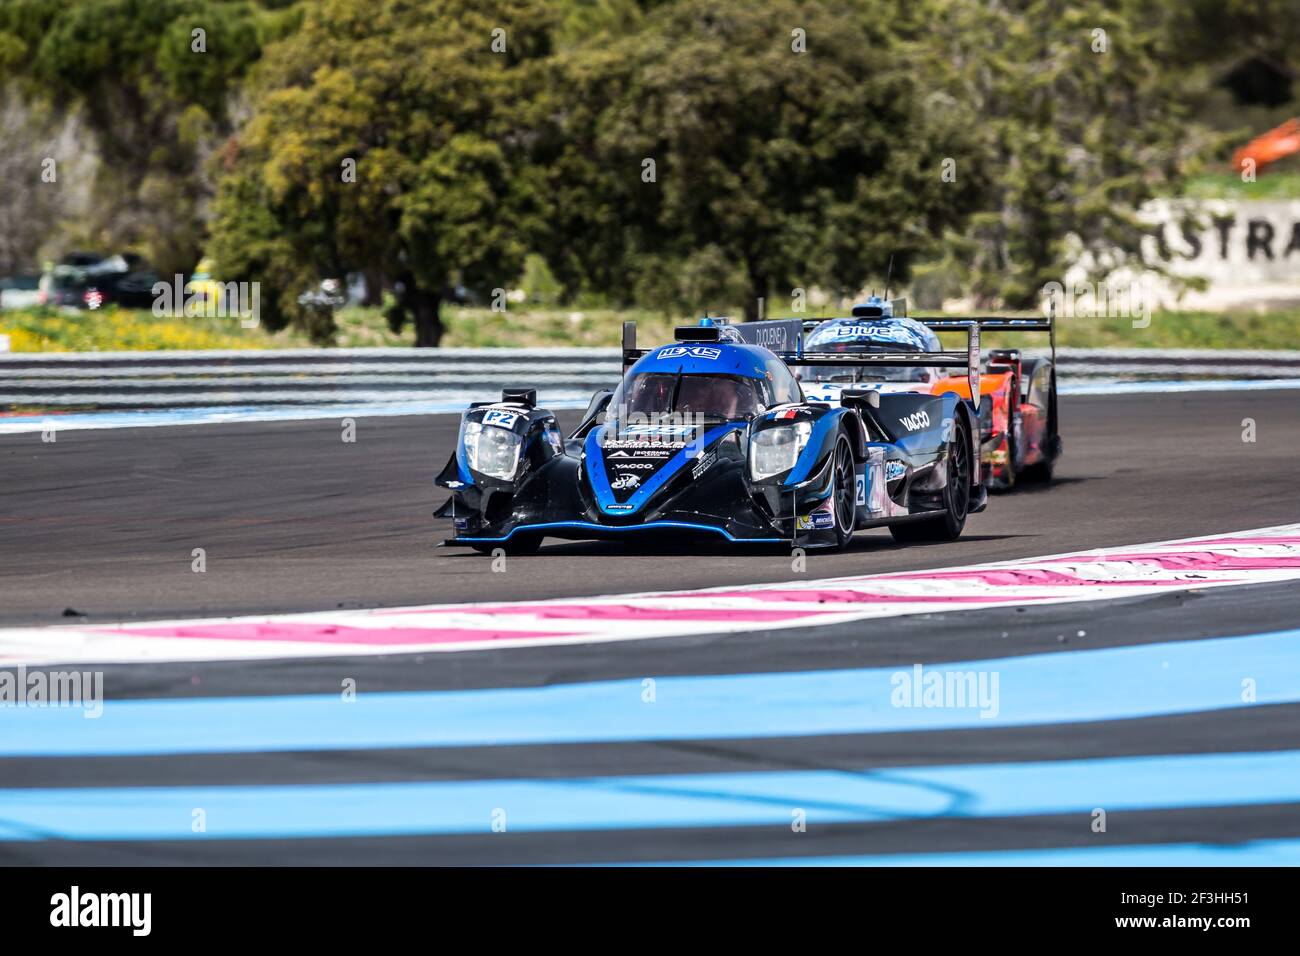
{"x":102,"y":525}
{"x":294,"y":519}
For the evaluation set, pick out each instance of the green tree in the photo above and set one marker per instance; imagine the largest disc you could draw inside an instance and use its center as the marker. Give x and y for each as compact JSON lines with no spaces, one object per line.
{"x":154,"y":92}
{"x":784,"y":147}
{"x":387,"y":137}
{"x":1252,"y":45}
{"x":1064,"y":119}
{"x":1003,"y":140}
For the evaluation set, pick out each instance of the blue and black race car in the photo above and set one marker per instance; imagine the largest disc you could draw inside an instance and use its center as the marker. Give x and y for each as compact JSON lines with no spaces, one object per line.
{"x":711,"y":436}
{"x":1019,"y":436}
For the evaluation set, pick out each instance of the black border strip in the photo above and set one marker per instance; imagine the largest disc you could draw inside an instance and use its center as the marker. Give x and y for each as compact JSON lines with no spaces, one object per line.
{"x":1207,"y":825}
{"x":1247,"y":729}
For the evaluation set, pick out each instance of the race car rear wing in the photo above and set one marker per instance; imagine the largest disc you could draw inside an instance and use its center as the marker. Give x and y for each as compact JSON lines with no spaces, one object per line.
{"x":778,"y":335}
{"x":784,"y":337}
{"x":968,"y":359}
{"x":1000,"y":323}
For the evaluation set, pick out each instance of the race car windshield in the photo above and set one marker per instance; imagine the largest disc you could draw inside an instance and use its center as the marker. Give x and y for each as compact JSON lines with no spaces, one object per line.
{"x":729,"y":397}
{"x":852,"y":374}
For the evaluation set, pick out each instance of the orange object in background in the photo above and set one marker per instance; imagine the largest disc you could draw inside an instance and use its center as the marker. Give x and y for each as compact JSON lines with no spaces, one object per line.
{"x":1271,"y":146}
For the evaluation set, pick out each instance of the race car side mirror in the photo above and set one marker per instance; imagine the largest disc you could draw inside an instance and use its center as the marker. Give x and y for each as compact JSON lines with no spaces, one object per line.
{"x":595,"y":413}
{"x":520,"y":396}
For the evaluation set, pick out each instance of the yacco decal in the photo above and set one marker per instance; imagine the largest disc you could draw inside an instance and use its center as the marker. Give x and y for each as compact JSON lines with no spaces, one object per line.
{"x":1254,"y":557}
{"x":917,"y":420}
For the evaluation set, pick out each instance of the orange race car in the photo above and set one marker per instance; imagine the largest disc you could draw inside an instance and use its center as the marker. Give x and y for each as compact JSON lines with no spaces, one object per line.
{"x":1268,"y":148}
{"x":1019,"y":434}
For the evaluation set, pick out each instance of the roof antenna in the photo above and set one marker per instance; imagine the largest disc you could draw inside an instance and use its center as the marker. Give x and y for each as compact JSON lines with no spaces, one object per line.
{"x":889,"y":275}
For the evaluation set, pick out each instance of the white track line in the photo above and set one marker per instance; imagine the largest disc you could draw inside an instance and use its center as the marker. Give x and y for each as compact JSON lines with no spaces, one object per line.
{"x":1250,"y":557}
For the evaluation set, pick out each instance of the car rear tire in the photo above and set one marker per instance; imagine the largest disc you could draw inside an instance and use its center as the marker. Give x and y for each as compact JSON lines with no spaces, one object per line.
{"x":956,"y":498}
{"x":1040,"y":472}
{"x":1012,"y":473}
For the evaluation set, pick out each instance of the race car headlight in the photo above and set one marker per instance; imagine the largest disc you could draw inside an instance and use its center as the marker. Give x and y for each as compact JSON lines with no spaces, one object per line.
{"x":775,"y":450}
{"x":491,"y":451}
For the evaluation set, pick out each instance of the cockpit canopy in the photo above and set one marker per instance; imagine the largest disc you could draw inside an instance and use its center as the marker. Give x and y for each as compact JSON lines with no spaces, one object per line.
{"x":730,"y":397}
{"x":866,"y":335}
{"x":720,"y":380}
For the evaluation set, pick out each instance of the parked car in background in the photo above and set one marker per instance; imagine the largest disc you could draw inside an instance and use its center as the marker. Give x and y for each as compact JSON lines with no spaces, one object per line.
{"x":63,"y":285}
{"x":83,"y":280}
{"x":18,"y":292}
{"x":130,"y":290}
